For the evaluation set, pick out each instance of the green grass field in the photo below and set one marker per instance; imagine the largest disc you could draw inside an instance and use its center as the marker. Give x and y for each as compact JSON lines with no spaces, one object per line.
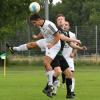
{"x":27,"y":82}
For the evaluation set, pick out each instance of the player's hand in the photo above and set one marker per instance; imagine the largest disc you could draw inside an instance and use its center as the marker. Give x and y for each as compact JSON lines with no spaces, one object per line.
{"x":78,"y":42}
{"x":49,"y":45}
{"x":34,"y":36}
{"x":84,"y":48}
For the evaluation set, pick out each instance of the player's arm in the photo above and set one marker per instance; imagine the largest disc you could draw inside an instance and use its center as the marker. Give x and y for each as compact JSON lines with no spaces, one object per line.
{"x":38,"y":36}
{"x":55,"y":40}
{"x":77,"y":46}
{"x":73,"y":53}
{"x":65,"y":38}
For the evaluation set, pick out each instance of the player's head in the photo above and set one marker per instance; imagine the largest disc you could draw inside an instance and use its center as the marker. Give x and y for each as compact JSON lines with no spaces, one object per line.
{"x":66,"y":26}
{"x":60,"y":19}
{"x":36,"y":20}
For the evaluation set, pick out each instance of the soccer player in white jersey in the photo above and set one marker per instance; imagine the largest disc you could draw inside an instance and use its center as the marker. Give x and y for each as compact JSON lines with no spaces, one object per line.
{"x":68,"y":50}
{"x":64,"y":26}
{"x":52,"y":46}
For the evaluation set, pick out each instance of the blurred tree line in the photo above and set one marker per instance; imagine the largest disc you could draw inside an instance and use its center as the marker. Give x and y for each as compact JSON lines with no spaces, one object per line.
{"x":14,"y":14}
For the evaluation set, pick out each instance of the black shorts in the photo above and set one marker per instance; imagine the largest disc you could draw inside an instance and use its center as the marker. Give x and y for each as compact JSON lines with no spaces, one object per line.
{"x":60,"y":61}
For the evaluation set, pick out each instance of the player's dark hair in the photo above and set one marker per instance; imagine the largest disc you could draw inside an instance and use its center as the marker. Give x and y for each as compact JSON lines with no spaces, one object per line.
{"x":35,"y":17}
{"x":59,"y":15}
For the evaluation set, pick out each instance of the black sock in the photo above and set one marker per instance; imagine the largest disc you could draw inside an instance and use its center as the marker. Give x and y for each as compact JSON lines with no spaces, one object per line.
{"x":63,"y":78}
{"x":54,"y":78}
{"x":68,"y":85}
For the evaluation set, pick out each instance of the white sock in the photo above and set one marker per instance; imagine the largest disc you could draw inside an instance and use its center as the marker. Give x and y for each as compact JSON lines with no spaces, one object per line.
{"x":55,"y":85}
{"x":50,"y":77}
{"x":21,"y":48}
{"x":73,"y":85}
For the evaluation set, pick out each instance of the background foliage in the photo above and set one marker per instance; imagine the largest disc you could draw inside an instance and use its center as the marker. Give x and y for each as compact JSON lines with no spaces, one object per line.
{"x":14,"y":14}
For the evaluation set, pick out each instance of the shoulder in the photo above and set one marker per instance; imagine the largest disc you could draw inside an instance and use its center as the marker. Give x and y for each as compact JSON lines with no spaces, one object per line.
{"x":52,"y":26}
{"x":49,"y":22}
{"x":71,"y":33}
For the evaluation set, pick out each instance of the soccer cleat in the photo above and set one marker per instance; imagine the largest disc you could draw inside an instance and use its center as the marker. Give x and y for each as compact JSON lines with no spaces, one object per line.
{"x":45,"y":89}
{"x":73,"y":93}
{"x":70,"y":96}
{"x":53,"y":94}
{"x":50,"y":88}
{"x":10,"y":48}
{"x":49,"y":94}
{"x":48,"y":91}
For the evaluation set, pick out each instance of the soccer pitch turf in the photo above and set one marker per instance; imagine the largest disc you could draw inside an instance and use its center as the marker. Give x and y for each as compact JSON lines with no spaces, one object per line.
{"x":27,"y":83}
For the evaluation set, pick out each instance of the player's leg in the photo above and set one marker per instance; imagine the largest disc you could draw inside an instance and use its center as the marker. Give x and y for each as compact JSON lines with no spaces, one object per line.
{"x":68,"y":75}
{"x":71,"y":66}
{"x":63,"y":79}
{"x":26,"y":47}
{"x":47,"y":62}
{"x":49,"y":70}
{"x":57,"y":72}
{"x":23,"y":47}
{"x":73,"y":84}
{"x":49,"y":56}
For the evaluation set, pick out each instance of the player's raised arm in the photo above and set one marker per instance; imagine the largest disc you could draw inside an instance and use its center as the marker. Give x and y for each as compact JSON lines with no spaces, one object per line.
{"x":65,"y":38}
{"x":55,"y":40}
{"x":76,"y":46}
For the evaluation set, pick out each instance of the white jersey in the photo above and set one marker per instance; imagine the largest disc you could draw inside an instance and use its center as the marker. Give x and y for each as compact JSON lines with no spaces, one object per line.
{"x":48,"y":30}
{"x":67,"y":51}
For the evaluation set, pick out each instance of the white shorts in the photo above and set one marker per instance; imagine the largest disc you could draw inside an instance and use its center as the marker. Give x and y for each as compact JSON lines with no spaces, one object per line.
{"x":70,"y":62}
{"x":41,"y":44}
{"x":52,"y":52}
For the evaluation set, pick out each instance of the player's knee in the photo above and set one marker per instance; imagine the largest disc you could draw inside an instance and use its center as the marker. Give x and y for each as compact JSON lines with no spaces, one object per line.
{"x":68,"y":73}
{"x":45,"y":62}
{"x":47,"y":65}
{"x":57,"y":71}
{"x":31,"y":45}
